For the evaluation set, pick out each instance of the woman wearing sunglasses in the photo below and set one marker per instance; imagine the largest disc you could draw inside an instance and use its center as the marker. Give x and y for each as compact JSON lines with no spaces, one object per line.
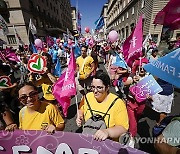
{"x":100,"y":99}
{"x":36,"y":114}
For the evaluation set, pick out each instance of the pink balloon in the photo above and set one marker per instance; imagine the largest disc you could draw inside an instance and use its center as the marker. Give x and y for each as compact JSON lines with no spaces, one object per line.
{"x":58,"y":40}
{"x":113,"y":36}
{"x":38,"y":43}
{"x":87,"y":29}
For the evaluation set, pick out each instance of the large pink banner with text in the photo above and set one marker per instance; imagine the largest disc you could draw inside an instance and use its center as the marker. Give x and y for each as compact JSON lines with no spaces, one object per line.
{"x":39,"y":142}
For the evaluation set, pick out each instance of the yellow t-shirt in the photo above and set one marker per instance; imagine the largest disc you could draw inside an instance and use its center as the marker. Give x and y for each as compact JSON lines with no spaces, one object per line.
{"x":46,"y":84}
{"x":47,"y":91}
{"x":47,"y":114}
{"x":87,"y":66}
{"x":116,"y":116}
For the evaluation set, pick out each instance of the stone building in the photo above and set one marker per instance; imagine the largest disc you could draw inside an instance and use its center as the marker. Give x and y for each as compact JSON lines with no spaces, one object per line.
{"x":123,"y":16}
{"x":50,"y":17}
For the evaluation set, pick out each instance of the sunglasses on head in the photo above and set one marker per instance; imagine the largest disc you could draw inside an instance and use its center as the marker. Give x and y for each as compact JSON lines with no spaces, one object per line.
{"x":25,"y":97}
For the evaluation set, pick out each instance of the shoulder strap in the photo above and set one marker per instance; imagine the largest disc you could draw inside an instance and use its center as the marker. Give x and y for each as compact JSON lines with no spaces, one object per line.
{"x":106,"y":111}
{"x":110,"y":106}
{"x":88,"y":105}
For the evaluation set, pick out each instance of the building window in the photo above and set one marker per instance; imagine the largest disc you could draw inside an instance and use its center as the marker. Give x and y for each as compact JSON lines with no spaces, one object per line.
{"x":38,"y":8}
{"x":127,"y":31}
{"x":124,"y":3}
{"x":143,"y":4}
{"x":47,"y":3}
{"x":11,"y":39}
{"x":127,"y":15}
{"x":119,"y":20}
{"x":123,"y":18}
{"x":132,"y":10}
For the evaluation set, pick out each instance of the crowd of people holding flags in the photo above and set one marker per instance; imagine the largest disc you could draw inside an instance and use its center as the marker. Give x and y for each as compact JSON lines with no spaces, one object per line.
{"x":62,"y":68}
{"x":40,"y":71}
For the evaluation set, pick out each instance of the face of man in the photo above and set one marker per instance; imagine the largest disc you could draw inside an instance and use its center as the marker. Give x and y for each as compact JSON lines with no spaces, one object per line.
{"x":83,"y":52}
{"x":28,"y":96}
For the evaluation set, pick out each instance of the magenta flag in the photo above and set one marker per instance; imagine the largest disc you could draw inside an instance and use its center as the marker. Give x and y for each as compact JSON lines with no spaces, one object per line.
{"x":132,"y":47}
{"x":12,"y":57}
{"x":65,"y":87}
{"x":169,"y":16}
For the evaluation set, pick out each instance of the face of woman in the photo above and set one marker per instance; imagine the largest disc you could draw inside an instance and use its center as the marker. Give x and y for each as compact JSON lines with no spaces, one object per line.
{"x":99,"y":90}
{"x":28,"y":96}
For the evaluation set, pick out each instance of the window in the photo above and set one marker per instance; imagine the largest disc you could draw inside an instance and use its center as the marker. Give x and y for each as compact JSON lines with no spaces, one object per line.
{"x":124,"y":3}
{"x":143,"y":4}
{"x":123,"y":18}
{"x":127,"y":15}
{"x":132,"y":10}
{"x":11,"y":39}
{"x":38,"y":8}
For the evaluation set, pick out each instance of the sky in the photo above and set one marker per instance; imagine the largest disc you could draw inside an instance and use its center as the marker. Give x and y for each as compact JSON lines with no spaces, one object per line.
{"x":90,"y":10}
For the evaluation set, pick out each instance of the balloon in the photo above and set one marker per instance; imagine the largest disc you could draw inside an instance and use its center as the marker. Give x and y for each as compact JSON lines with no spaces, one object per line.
{"x":38,"y":43}
{"x":58,"y":41}
{"x":87,"y":29}
{"x":113,"y":36}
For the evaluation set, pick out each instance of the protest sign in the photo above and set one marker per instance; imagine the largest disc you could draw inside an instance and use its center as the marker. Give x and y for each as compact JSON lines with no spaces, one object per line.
{"x":37,"y":63}
{"x":146,"y":86}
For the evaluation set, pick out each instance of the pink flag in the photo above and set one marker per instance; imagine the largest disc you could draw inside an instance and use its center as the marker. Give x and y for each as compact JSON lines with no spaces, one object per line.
{"x":65,"y":87}
{"x":169,"y":16}
{"x":132,"y":47}
{"x":12,"y":57}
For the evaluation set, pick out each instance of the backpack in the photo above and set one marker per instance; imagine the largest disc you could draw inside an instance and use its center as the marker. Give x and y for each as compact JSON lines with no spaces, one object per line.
{"x":158,"y":129}
{"x":96,"y":121}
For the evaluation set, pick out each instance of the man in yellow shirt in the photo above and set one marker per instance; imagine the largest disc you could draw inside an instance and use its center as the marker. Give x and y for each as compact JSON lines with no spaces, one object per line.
{"x":37,"y":115}
{"x":85,"y":67}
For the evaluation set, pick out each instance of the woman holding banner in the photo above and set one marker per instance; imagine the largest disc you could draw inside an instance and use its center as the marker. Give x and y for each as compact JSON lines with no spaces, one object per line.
{"x":36,"y":114}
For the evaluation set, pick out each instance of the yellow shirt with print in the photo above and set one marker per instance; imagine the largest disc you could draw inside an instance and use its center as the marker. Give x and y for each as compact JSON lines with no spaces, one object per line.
{"x":47,"y":114}
{"x":86,"y":70}
{"x":117,"y":115}
{"x":46,"y":84}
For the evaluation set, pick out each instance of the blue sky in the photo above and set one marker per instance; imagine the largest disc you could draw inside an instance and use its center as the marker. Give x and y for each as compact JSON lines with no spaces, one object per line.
{"x":90,"y":10}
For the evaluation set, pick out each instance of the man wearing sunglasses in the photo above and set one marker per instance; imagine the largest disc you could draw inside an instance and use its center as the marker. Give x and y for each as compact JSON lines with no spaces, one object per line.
{"x":36,"y":114}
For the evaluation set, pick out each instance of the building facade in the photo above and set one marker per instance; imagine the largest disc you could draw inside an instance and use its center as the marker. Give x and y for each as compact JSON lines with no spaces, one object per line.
{"x":50,"y":17}
{"x":123,"y":16}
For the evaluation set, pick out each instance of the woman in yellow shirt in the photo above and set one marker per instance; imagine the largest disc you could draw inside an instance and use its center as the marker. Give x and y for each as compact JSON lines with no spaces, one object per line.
{"x":100,"y":99}
{"x":37,"y":115}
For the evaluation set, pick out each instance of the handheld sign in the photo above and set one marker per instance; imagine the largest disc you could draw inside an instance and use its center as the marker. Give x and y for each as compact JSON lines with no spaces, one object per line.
{"x":146,"y":86}
{"x":5,"y":82}
{"x":37,"y":63}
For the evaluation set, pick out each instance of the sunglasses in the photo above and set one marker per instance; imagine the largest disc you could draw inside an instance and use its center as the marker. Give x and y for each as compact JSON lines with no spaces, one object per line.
{"x":98,"y":88}
{"x":25,"y":97}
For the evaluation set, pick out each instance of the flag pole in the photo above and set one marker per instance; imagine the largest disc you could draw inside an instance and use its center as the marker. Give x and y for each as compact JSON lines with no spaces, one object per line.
{"x":77,"y":105}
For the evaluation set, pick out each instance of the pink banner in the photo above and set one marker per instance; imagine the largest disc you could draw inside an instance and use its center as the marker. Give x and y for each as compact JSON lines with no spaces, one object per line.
{"x":39,"y":142}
